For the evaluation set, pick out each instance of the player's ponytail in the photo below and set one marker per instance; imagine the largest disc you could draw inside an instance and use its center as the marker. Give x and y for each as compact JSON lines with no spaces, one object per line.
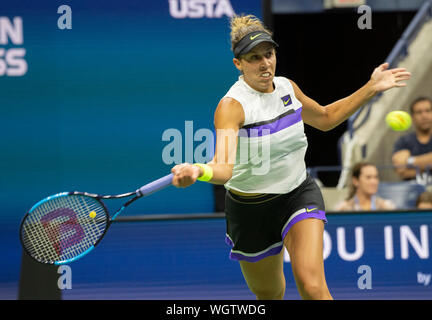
{"x":241,"y":25}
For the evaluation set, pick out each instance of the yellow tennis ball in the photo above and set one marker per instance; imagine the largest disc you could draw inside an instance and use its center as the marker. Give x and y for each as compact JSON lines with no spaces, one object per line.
{"x":398,"y":120}
{"x":92,"y":214}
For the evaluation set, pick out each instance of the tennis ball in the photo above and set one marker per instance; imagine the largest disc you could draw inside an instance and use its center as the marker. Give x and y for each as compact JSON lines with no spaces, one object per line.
{"x":92,"y":214}
{"x":398,"y":120}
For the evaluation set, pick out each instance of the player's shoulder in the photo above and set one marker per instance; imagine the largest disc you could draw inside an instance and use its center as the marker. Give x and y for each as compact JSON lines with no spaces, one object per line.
{"x":228,"y":102}
{"x":282,"y":80}
{"x":229,"y":110}
{"x":229,"y":106}
{"x":288,"y":85}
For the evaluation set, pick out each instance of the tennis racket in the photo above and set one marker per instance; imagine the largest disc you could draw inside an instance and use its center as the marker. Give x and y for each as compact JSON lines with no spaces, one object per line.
{"x":66,"y":226}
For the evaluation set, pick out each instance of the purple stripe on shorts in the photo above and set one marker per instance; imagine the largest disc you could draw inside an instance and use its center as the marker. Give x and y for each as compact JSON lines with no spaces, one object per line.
{"x":228,"y":241}
{"x":239,"y":256}
{"x":271,"y":252}
{"x":272,"y":127}
{"x":317,"y":214}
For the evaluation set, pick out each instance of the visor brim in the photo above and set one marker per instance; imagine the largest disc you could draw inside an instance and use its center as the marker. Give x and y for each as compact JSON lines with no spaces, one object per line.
{"x":254,"y":44}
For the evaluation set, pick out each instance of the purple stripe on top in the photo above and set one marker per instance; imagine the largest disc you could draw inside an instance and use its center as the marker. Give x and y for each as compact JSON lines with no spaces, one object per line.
{"x":272,"y":127}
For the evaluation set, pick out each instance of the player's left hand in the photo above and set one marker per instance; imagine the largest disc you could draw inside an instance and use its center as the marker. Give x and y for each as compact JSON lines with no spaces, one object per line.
{"x":383,"y":78}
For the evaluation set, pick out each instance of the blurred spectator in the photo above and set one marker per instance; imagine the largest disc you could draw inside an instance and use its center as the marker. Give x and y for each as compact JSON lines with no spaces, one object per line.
{"x":364,"y":186}
{"x":424,"y":201}
{"x":415,"y":149}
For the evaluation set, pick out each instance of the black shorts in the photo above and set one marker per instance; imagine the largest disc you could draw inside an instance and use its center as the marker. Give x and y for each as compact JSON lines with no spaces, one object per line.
{"x":257,"y":225}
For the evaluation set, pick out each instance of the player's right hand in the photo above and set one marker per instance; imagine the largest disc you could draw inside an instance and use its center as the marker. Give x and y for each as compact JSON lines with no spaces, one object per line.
{"x":185,"y":174}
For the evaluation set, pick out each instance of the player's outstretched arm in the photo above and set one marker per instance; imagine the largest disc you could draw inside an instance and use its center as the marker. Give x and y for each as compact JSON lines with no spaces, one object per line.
{"x":328,"y":117}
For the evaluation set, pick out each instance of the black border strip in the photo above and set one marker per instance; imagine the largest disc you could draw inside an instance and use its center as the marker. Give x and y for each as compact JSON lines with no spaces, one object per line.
{"x":221,"y":215}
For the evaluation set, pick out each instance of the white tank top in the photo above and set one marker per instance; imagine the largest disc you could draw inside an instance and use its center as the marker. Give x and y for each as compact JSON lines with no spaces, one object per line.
{"x":271,"y":145}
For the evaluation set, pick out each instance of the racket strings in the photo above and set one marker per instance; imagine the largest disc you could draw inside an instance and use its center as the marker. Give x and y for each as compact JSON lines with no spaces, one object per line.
{"x":61,"y":228}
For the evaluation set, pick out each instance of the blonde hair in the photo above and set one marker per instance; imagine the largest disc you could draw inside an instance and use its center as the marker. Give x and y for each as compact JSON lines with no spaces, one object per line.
{"x":241,"y":25}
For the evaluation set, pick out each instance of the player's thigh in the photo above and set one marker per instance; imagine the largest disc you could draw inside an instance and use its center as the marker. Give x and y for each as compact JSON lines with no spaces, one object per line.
{"x":304,"y":242}
{"x":266,"y":275}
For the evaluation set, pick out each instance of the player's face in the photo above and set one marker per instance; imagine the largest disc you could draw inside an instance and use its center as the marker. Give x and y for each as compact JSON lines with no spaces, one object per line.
{"x":422,"y":115}
{"x":258,"y":67}
{"x":368,"y":180}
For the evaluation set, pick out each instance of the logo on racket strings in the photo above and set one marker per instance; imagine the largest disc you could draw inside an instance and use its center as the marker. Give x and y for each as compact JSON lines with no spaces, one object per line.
{"x":63,"y":229}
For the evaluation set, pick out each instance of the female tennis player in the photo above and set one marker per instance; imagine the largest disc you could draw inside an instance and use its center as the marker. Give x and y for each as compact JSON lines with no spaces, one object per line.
{"x":271,"y":202}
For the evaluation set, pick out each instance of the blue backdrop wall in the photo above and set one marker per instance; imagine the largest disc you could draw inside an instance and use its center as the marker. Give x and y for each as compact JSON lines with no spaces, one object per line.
{"x":90,"y":111}
{"x":86,"y":108}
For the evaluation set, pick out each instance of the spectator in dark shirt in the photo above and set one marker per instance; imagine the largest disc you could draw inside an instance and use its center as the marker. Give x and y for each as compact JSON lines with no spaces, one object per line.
{"x":414,"y":150}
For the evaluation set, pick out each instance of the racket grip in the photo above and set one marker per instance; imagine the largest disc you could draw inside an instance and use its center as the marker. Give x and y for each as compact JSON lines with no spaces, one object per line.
{"x":155,"y":185}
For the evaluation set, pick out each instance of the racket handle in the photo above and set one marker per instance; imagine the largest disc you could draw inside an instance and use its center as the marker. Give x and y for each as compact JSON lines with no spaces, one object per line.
{"x":156,"y":185}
